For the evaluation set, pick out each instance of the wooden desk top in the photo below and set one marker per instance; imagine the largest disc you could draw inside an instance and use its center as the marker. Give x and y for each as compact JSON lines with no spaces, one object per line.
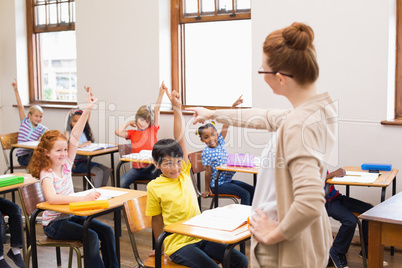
{"x":27,"y":181}
{"x":79,"y":152}
{"x":389,"y":211}
{"x":384,"y":180}
{"x":113,"y":203}
{"x":253,"y":170}
{"x":213,"y":235}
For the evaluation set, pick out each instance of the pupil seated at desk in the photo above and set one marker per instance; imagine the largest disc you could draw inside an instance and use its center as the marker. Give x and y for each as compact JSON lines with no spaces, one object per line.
{"x":142,"y":138}
{"x":52,"y":161}
{"x":214,"y":155}
{"x":341,"y":208}
{"x":172,"y":198}
{"x":101,"y":172}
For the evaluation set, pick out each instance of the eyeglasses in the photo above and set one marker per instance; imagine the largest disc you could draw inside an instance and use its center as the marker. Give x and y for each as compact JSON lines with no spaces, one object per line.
{"x":262,"y":71}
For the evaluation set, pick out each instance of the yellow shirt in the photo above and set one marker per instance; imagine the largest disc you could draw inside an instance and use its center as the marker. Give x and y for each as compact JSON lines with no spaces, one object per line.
{"x":176,"y":200}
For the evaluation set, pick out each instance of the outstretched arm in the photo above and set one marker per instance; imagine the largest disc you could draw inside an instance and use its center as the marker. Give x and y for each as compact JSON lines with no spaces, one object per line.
{"x":178,"y":122}
{"x":21,"y":111}
{"x":225,"y":127}
{"x":157,"y":108}
{"x":121,"y":131}
{"x":79,"y":127}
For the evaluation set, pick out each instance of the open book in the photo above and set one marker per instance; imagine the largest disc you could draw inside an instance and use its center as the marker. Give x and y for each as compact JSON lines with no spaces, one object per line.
{"x":105,"y":194}
{"x":29,"y":143}
{"x":227,"y":218}
{"x":142,"y":155}
{"x":96,"y":146}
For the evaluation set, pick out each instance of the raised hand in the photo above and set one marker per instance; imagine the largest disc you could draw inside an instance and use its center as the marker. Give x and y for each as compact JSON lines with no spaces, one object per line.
{"x":238,"y":101}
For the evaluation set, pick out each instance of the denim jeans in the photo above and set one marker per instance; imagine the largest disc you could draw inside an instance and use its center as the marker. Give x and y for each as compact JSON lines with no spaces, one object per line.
{"x":81,"y":166}
{"x":23,"y":160}
{"x":72,"y":228}
{"x":149,"y":173}
{"x":14,"y":221}
{"x":341,"y":208}
{"x":200,"y":255}
{"x":244,"y":190}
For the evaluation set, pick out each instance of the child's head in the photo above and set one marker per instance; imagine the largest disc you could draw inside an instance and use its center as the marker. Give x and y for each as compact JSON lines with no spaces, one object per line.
{"x":144,"y":117}
{"x":35,"y":115}
{"x":168,"y":156}
{"x":51,"y":150}
{"x":208,"y":134}
{"x":73,"y":117}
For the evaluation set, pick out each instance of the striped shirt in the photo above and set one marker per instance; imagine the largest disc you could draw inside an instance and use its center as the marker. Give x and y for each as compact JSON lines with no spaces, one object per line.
{"x":28,"y":133}
{"x":62,"y":185}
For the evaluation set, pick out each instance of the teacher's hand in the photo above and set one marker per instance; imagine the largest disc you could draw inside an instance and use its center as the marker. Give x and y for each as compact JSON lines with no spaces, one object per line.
{"x":201,"y":114}
{"x":264,"y":229}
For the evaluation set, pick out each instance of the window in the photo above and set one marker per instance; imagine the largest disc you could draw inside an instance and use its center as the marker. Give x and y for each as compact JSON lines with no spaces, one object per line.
{"x":52,"y":53}
{"x":211,"y":51}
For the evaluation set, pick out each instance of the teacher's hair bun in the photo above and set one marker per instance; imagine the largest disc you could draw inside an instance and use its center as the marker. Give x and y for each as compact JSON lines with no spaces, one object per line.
{"x":298,"y":36}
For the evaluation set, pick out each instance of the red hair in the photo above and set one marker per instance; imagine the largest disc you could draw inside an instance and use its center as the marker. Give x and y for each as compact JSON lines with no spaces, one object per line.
{"x":291,"y":50}
{"x":40,"y":160}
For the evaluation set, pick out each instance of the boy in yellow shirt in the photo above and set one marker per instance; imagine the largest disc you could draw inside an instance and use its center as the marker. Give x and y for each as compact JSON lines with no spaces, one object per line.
{"x":172,"y":198}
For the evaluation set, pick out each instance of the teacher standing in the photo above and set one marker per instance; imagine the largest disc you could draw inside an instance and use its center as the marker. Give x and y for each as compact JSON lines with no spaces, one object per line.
{"x":289,"y":225}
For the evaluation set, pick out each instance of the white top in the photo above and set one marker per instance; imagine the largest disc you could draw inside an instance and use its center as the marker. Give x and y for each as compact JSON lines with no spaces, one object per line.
{"x":265,"y":195}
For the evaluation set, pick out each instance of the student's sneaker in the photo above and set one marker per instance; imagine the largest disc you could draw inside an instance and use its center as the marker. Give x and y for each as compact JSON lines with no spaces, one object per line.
{"x":339,"y":260}
{"x":17,"y":259}
{"x":384,"y":263}
{"x":4,"y":264}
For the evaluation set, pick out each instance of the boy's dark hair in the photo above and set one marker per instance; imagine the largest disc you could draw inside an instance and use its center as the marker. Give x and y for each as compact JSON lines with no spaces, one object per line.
{"x":201,"y":128}
{"x":166,"y":147}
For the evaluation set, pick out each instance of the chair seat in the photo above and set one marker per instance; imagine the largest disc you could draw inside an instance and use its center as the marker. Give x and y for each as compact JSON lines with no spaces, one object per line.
{"x":50,"y":242}
{"x":150,"y":262}
{"x":225,"y":195}
{"x":142,"y":181}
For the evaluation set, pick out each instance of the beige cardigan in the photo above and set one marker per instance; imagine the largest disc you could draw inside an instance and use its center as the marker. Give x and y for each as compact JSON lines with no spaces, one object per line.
{"x":306,"y":137}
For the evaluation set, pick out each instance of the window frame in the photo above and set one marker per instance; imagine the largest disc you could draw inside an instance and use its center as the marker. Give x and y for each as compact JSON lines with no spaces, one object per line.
{"x":177,"y":24}
{"x":33,"y":40}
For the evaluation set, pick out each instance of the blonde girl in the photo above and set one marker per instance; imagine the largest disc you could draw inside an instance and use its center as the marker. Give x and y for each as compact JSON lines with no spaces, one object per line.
{"x":30,"y":129}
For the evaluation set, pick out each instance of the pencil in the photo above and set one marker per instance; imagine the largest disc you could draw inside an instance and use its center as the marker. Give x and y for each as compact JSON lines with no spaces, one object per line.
{"x":90,"y":183}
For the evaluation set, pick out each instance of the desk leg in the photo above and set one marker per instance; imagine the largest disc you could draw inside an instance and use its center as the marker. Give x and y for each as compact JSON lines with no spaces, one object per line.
{"x":158,"y":249}
{"x":112,"y":174}
{"x":11,"y":160}
{"x":217,"y":188}
{"x":375,"y":249}
{"x":255,"y":179}
{"x":85,"y":241}
{"x":383,"y":189}
{"x":88,"y":171}
{"x":118,"y":173}
{"x":347,"y":190}
{"x":227,"y":255}
{"x":34,"y":251}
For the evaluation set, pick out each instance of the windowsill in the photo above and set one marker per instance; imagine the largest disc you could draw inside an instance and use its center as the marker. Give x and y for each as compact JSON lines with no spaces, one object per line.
{"x":395,"y":122}
{"x":52,"y":106}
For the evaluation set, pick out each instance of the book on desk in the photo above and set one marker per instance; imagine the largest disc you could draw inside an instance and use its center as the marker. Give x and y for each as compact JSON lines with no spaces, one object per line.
{"x":358,"y":177}
{"x":227,"y":218}
{"x":96,"y":146}
{"x":142,"y":155}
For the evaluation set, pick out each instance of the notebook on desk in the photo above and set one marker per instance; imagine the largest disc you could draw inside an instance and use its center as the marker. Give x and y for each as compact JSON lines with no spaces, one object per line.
{"x":96,"y":146}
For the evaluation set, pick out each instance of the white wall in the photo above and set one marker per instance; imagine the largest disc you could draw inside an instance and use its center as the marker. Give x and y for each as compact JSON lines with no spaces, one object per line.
{"x":125,"y":60}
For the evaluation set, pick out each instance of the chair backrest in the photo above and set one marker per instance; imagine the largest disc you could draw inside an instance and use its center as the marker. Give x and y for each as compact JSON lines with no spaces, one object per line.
{"x":196,"y":168}
{"x":135,"y":214}
{"x":8,"y":139}
{"x":124,"y":149}
{"x":30,"y":196}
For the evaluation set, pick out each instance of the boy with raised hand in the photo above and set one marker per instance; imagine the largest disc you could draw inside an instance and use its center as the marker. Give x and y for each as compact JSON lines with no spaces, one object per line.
{"x":172,"y":198}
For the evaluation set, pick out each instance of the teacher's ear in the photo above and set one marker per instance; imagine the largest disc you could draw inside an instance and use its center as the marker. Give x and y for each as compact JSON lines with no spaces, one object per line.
{"x":282,"y":78}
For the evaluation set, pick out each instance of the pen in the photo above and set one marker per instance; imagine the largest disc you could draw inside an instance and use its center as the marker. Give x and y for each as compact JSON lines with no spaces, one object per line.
{"x":90,"y":183}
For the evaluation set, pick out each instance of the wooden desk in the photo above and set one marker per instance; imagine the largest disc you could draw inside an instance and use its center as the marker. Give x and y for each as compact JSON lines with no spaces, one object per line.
{"x":383,"y":181}
{"x":253,"y":170}
{"x":90,"y":155}
{"x":129,"y":159}
{"x":385,"y":228}
{"x":231,"y":238}
{"x":115,"y":205}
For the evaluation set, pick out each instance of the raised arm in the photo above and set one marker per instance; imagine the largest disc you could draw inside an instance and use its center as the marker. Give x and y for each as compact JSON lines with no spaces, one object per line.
{"x":79,"y":127}
{"x":178,"y":122}
{"x":225,"y":127}
{"x":121,"y":131}
{"x":157,"y":108}
{"x":21,"y":111}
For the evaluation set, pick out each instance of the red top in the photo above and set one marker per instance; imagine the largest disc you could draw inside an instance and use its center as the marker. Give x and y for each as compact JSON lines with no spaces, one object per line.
{"x":142,"y":140}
